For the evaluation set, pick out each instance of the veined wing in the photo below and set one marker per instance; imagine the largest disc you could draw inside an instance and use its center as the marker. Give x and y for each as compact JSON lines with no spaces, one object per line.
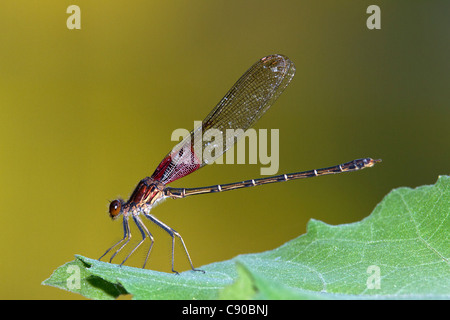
{"x":245,"y":103}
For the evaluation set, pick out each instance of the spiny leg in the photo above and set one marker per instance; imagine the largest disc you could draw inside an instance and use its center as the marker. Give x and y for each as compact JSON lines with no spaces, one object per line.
{"x":173,"y":234}
{"x":141,"y":228}
{"x":127,"y":227}
{"x":149,"y":236}
{"x":126,"y":231}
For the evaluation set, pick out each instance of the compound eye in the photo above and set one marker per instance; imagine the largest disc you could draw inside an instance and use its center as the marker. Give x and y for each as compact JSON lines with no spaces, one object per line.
{"x":114,"y":208}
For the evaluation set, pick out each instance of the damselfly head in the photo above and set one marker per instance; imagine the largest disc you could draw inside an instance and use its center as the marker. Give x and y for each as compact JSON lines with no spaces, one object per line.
{"x":115,"y":208}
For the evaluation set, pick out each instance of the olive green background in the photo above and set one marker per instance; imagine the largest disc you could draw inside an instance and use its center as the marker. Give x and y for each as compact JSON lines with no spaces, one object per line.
{"x":85,"y":114}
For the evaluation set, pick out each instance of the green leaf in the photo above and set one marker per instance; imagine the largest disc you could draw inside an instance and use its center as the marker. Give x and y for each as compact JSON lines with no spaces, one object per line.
{"x":75,"y":277}
{"x":400,"y":251}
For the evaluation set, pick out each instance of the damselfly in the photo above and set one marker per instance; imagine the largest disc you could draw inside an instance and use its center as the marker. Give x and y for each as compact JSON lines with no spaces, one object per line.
{"x":249,"y":98}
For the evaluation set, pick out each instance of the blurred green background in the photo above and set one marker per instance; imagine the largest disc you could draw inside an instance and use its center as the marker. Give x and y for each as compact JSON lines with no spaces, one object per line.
{"x":85,"y":114}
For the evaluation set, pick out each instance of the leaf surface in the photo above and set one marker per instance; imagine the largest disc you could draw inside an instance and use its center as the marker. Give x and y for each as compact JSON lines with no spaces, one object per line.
{"x":400,"y":251}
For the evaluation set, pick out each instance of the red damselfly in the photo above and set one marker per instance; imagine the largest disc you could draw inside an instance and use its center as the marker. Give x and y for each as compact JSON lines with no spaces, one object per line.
{"x":249,"y":98}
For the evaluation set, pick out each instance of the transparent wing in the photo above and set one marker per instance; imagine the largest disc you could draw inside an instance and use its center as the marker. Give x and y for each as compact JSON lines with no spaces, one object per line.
{"x":245,"y":103}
